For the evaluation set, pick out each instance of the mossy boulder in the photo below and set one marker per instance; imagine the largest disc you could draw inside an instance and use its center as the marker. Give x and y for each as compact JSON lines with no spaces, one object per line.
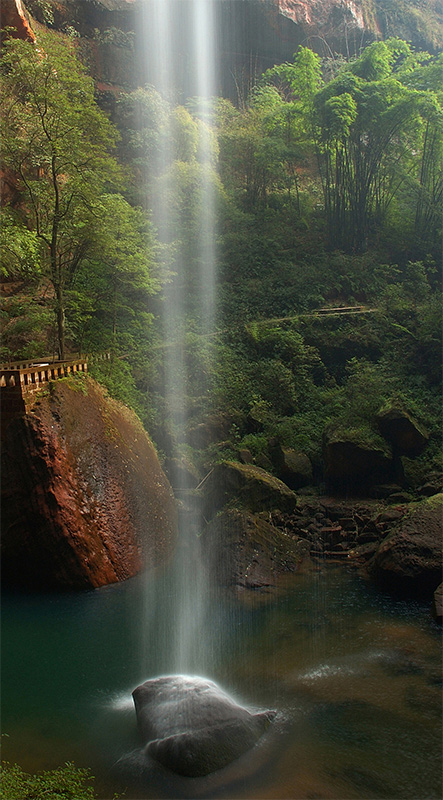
{"x":244,"y":549}
{"x":406,"y":436}
{"x":355,"y":462}
{"x":410,"y":557}
{"x":248,"y":485}
{"x":182,"y":473}
{"x":214,"y":428}
{"x":291,"y":466}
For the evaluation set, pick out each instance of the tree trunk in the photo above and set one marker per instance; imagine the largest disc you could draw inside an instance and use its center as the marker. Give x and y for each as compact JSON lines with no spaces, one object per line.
{"x":60,"y":315}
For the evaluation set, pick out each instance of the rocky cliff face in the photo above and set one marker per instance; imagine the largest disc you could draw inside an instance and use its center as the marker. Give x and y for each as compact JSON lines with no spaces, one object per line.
{"x":85,"y":501}
{"x":252,"y":35}
{"x":345,"y":25}
{"x":13,"y":15}
{"x":342,"y":24}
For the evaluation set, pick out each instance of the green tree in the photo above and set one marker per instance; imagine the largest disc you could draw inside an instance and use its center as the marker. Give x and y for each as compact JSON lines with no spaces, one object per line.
{"x":57,"y":142}
{"x":372,"y":132}
{"x":117,"y":278}
{"x":427,"y":189}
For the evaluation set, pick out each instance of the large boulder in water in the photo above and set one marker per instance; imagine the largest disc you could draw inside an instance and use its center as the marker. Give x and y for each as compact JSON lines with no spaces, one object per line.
{"x":85,"y":500}
{"x":410,"y":557}
{"x":192,"y":727}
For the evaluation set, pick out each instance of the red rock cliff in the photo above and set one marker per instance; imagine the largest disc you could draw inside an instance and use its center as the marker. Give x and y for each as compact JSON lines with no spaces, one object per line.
{"x":85,"y":501}
{"x":13,"y":16}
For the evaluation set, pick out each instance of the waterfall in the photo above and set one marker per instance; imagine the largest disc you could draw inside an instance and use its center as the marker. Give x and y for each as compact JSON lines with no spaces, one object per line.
{"x":183,"y":47}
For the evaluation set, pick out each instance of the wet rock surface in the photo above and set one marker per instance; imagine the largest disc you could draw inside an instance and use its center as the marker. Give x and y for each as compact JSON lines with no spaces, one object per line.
{"x":85,"y":501}
{"x":192,"y":727}
{"x":410,"y":558}
{"x":246,"y":550}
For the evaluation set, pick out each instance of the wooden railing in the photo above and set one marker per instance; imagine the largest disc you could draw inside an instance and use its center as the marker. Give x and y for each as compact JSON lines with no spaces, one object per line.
{"x":31,"y":377}
{"x":20,"y":381}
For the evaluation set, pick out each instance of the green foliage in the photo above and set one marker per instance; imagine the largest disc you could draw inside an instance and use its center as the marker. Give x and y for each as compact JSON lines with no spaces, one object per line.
{"x":371,"y":124}
{"x":57,"y":142}
{"x":326,"y":187}
{"x":117,"y":377}
{"x":19,"y":247}
{"x":27,"y":328}
{"x":64,"y":783}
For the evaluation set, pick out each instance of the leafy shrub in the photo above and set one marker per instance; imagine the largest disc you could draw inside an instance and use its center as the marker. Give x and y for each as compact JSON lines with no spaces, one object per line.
{"x":64,"y":783}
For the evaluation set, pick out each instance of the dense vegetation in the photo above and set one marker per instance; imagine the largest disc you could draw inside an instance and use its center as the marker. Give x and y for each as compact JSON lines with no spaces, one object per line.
{"x":64,"y":783}
{"x":327,"y":188}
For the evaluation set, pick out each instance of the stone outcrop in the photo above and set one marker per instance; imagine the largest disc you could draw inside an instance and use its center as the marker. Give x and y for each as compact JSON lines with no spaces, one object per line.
{"x":410,"y":557}
{"x":336,"y":22}
{"x":245,"y":550}
{"x":249,"y":486}
{"x":85,"y":501}
{"x":292,"y":467}
{"x":346,"y":25}
{"x":13,"y":15}
{"x":355,"y":466}
{"x":406,"y":436}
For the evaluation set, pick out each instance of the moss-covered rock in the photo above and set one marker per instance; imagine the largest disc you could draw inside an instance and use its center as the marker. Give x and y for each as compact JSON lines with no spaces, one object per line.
{"x":248,"y":486}
{"x":181,"y":473}
{"x":406,"y":436}
{"x":355,"y":462}
{"x":291,"y":466}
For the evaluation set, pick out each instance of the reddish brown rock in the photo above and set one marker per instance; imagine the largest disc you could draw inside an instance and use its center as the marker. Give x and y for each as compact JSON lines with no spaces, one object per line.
{"x":325,"y":15}
{"x":13,"y":16}
{"x":410,"y":557}
{"x":85,"y":501}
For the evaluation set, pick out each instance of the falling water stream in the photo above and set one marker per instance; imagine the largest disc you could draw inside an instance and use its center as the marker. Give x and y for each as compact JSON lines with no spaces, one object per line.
{"x":183,"y":296}
{"x":354,"y":675}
